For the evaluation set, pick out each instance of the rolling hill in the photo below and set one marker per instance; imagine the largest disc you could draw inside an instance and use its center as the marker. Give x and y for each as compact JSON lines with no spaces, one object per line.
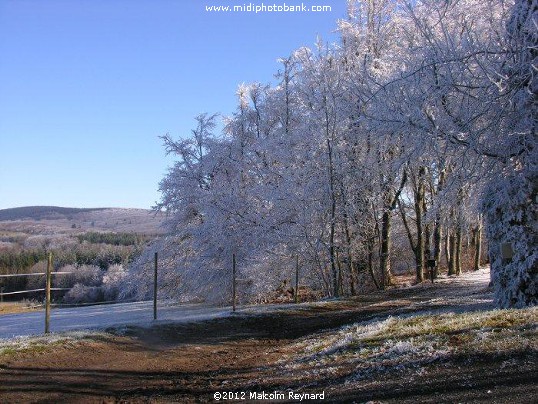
{"x":41,"y":212}
{"x":50,"y":220}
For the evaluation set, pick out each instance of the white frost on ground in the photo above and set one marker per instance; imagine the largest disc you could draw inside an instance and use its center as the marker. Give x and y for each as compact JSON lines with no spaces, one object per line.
{"x":34,"y":342}
{"x":371,"y":349}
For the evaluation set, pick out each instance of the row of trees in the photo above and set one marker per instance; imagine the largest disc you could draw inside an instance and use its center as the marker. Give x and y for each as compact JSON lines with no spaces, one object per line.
{"x":70,"y":253}
{"x":425,"y":111}
{"x":125,"y":239}
{"x":19,"y":261}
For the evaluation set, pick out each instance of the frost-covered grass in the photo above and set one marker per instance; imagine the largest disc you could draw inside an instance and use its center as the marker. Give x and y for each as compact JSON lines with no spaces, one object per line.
{"x":397,"y":343}
{"x":45,"y":343}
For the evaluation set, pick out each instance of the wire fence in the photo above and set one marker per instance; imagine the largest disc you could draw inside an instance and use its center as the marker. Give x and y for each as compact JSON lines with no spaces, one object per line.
{"x":27,"y":291}
{"x":34,"y":274}
{"x":48,"y":289}
{"x":20,"y":292}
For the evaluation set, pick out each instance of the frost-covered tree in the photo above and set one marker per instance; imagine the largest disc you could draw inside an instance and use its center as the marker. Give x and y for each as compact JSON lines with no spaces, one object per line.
{"x":511,"y":199}
{"x":402,"y":124}
{"x":482,"y":100}
{"x":112,"y":281}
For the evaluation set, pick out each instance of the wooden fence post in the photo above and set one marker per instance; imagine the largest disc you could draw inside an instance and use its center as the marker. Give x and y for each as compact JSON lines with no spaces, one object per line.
{"x":234,"y":291}
{"x":297,"y":279}
{"x":155,"y":290}
{"x":47,"y":293}
{"x":2,"y":294}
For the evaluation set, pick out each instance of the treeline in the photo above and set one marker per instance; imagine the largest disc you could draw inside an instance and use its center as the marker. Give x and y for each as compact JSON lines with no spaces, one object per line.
{"x":100,"y":249}
{"x":416,"y":128}
{"x":16,"y":262}
{"x":99,"y":256}
{"x":41,"y":212}
{"x":125,"y":239}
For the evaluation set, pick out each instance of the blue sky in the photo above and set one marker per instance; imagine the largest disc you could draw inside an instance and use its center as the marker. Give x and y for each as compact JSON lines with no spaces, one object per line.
{"x":88,"y":86}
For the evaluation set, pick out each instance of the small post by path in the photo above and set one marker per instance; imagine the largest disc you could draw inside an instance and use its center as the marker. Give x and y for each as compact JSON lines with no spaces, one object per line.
{"x":233,"y":283}
{"x":297,"y":279}
{"x":155,"y":289}
{"x":1,"y":294}
{"x":47,"y":294}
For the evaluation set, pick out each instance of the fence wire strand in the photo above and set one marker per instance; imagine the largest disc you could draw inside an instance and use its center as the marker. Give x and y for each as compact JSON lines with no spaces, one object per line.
{"x":35,"y":274}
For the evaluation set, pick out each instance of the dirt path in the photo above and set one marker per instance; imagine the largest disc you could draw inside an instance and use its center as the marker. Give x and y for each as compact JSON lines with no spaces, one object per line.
{"x":248,"y":353}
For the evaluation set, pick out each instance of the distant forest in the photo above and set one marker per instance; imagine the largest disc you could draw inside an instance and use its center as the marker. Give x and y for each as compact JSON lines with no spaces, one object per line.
{"x":40,"y":212}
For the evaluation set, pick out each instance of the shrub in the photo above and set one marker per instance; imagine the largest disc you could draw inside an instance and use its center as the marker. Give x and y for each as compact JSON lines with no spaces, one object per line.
{"x":84,"y":294}
{"x":87,"y":275}
{"x":112,"y":281}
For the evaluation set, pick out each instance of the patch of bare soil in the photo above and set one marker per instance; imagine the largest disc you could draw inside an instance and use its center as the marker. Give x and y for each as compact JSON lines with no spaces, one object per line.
{"x":249,"y":352}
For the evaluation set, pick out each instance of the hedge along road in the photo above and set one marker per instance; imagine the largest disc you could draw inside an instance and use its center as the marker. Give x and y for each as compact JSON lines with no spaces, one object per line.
{"x":103,"y":316}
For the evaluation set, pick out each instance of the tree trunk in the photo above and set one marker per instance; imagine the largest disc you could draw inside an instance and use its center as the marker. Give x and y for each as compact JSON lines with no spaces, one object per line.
{"x":451,"y":257}
{"x":371,"y":264}
{"x":418,"y":246}
{"x":350,"y":267}
{"x":447,"y":249}
{"x":477,"y":246}
{"x":458,"y":251}
{"x":391,"y":200}
{"x":334,"y":271}
{"x":438,"y":230}
{"x":437,"y":237}
{"x":340,"y":276}
{"x":352,"y":276}
{"x":419,"y":213}
{"x":386,"y":224}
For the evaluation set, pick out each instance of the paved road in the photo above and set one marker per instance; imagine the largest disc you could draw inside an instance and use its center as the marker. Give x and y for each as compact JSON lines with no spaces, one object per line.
{"x":77,"y":318}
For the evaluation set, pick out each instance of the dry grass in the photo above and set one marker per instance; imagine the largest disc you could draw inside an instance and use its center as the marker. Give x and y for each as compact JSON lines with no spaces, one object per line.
{"x":18,"y":307}
{"x":397,"y":343}
{"x":47,"y":343}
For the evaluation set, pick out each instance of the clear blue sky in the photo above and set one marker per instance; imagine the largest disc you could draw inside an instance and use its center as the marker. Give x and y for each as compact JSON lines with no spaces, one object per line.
{"x":87,"y":86}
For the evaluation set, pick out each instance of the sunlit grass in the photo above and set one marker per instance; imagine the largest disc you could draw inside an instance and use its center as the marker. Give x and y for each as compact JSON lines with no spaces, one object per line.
{"x":18,"y":307}
{"x":46,"y":343}
{"x":411,"y":341}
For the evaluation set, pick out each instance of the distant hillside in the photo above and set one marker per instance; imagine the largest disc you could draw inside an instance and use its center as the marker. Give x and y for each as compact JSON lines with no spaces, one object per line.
{"x":40,"y":212}
{"x":47,"y":220}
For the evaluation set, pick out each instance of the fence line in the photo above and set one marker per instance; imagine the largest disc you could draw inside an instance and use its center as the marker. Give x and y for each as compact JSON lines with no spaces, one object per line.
{"x":30,"y":291}
{"x":77,"y":304}
{"x":48,"y":288}
{"x":95,"y":303}
{"x":35,"y":274}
